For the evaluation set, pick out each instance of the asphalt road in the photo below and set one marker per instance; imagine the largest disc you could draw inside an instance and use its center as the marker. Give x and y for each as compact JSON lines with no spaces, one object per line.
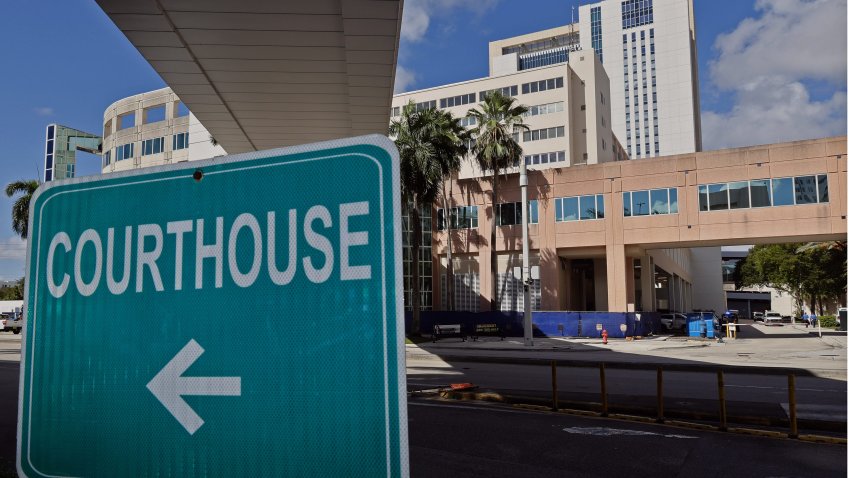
{"x":473,"y":441}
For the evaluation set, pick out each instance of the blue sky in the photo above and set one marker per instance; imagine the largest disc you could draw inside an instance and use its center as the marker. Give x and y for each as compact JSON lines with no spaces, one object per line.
{"x":769,"y":70}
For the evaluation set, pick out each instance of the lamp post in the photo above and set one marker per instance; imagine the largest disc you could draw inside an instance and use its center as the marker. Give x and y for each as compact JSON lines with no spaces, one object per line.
{"x":526,"y":270}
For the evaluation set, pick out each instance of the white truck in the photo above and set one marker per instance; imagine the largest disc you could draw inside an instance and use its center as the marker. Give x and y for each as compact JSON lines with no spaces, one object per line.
{"x":11,"y":316}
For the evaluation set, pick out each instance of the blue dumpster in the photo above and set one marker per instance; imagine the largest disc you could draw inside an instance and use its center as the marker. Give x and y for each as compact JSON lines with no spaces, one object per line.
{"x":701,"y":324}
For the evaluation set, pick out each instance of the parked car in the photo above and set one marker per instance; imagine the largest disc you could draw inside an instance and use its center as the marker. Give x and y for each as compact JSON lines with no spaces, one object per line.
{"x":772,"y":317}
{"x":758,"y":316}
{"x":674,"y":321}
{"x":11,"y":323}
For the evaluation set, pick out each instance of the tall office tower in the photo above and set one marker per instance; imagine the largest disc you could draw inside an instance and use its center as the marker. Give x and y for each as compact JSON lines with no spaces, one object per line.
{"x":648,"y":49}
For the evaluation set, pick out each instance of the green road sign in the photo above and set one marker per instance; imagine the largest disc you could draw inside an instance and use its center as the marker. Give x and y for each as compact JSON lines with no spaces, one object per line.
{"x":231,"y":317}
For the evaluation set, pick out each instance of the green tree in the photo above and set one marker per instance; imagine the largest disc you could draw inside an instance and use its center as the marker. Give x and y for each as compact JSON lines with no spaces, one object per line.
{"x":15,"y":292}
{"x":496,"y":148}
{"x":450,"y":148}
{"x":421,"y":176}
{"x":813,"y":274}
{"x":21,"y":207}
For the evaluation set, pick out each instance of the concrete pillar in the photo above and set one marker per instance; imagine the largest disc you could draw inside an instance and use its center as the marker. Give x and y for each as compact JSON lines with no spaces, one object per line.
{"x":647,"y":283}
{"x":618,"y":271}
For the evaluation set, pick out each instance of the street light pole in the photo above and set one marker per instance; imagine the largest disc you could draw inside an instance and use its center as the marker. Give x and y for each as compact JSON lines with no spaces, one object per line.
{"x":526,"y":270}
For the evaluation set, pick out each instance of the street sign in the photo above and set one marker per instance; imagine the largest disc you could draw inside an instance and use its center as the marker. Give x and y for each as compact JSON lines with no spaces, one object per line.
{"x":239,"y":316}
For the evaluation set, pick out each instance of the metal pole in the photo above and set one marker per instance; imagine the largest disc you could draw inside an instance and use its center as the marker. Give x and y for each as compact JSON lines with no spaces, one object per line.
{"x":660,"y":394}
{"x":603,"y":390}
{"x":526,"y":270}
{"x":721,"y":393}
{"x":554,"y":386}
{"x":792,"y":405}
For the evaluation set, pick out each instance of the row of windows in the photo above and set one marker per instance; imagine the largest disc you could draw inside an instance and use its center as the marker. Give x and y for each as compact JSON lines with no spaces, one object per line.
{"x":579,"y":208}
{"x":468,"y":121}
{"x":712,"y":197}
{"x":596,"y":30}
{"x":545,"y":109}
{"x":652,"y":201}
{"x":510,"y":213}
{"x":462,"y":217}
{"x":636,"y":13}
{"x":457,"y":100}
{"x":506,"y":91}
{"x":543,"y":85}
{"x":546,"y":158}
{"x":149,"y":146}
{"x":153,"y":146}
{"x":764,"y":193}
{"x":544,"y":58}
{"x":545,"y":133}
{"x":425,"y":105}
{"x":151,"y":114}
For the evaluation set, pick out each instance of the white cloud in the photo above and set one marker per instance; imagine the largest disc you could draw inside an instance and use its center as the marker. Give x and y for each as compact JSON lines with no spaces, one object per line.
{"x":13,"y":248}
{"x":766,"y":62}
{"x":44,"y":111}
{"x":418,"y":13}
{"x":416,"y":20}
{"x":403,"y":79}
{"x":772,"y":110}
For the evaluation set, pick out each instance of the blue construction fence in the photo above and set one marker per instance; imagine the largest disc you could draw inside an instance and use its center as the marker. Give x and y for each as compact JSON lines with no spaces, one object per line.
{"x":546,"y":324}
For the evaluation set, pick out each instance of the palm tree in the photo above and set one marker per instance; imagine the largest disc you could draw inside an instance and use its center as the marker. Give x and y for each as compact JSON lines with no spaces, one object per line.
{"x":21,"y":207}
{"x":496,"y":149}
{"x":420,"y":181}
{"x":451,"y":140}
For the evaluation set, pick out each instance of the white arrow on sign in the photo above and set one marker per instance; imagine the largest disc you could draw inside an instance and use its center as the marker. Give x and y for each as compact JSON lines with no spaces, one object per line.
{"x":168,"y":386}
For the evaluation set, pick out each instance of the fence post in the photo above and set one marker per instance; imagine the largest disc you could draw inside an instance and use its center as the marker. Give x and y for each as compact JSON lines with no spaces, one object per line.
{"x":603,"y":390}
{"x":554,"y":385}
{"x":660,"y":395}
{"x":792,"y":405}
{"x":721,"y":393}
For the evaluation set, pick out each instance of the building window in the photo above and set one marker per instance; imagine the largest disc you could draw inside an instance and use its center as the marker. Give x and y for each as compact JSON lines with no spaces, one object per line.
{"x":506,"y":91}
{"x":395,"y":111}
{"x":579,"y":208}
{"x":652,"y":201}
{"x":180,"y":109}
{"x":543,"y":85}
{"x":462,"y":217}
{"x":467,"y":121}
{"x":545,"y":158}
{"x":596,"y":30}
{"x":545,"y":109}
{"x":545,"y":133}
{"x":107,"y":158}
{"x":152,"y":146}
{"x":509,"y":214}
{"x":636,"y":13}
{"x":457,"y":100}
{"x":124,"y":151}
{"x":179,"y":141}
{"x":798,"y":190}
{"x":425,"y":105}
{"x":154,"y":114}
{"x":127,"y":120}
{"x":544,"y":58}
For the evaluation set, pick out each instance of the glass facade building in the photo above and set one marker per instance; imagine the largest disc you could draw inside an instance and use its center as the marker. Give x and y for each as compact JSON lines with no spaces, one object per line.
{"x":60,"y":150}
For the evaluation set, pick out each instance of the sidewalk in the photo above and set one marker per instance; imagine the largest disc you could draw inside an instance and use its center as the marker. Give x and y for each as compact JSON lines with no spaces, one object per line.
{"x":758,"y":345}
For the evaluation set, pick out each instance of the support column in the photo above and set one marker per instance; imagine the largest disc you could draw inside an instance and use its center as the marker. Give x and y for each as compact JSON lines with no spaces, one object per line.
{"x":647,"y":283}
{"x":618,"y":274}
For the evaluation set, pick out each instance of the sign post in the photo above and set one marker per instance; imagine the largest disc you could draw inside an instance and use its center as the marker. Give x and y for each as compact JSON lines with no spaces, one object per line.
{"x":232,"y":317}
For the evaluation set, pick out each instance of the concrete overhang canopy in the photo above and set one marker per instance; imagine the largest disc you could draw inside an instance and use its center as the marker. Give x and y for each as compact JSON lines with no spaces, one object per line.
{"x":261,"y":74}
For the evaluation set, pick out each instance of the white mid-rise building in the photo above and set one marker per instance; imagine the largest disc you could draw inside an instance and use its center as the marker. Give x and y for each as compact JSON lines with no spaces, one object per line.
{"x":648,"y":48}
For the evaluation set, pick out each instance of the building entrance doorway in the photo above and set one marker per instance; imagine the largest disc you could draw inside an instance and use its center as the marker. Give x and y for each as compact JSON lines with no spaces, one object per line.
{"x":582,"y":290}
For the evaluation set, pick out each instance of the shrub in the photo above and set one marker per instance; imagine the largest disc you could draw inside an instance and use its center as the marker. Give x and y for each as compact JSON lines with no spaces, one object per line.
{"x":828,"y":321}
